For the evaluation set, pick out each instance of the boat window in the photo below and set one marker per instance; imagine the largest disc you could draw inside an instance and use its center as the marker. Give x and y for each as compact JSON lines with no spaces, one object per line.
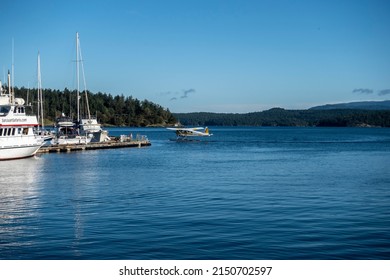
{"x":19,"y":130}
{"x":13,"y":131}
{"x":19,"y":110}
{"x":1,"y":132}
{"x":4,"y":110}
{"x":25,"y":130}
{"x":8,"y":132}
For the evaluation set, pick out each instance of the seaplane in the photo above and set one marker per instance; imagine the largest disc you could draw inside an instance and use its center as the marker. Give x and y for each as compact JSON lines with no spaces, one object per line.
{"x":188,"y":134}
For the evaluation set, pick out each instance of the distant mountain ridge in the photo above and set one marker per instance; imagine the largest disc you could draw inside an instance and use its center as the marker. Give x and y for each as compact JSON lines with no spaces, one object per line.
{"x":361,"y":105}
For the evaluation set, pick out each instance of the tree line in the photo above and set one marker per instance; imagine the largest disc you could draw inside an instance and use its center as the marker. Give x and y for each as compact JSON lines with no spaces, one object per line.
{"x":129,"y":111}
{"x":109,"y":110}
{"x":282,"y":117}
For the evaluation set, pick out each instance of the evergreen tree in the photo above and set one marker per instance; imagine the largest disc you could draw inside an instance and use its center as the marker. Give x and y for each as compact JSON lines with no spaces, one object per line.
{"x":110,"y":110}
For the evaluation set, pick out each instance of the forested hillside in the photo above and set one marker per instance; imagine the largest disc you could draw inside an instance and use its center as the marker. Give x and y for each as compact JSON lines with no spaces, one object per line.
{"x":128,"y":111}
{"x":110,"y":110}
{"x":281,"y":117}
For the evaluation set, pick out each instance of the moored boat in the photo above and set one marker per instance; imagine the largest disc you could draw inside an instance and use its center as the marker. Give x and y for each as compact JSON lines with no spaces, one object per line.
{"x":93,"y":130}
{"x":67,"y":132}
{"x":84,"y":129}
{"x":18,"y":135}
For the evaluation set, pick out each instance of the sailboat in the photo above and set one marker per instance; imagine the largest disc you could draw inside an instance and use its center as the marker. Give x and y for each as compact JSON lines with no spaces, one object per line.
{"x":83,"y":130}
{"x":48,"y":136}
{"x":88,"y":125}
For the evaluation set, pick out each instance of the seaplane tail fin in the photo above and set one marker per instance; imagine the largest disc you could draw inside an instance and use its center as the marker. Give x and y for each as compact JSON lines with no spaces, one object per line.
{"x":206,"y":130}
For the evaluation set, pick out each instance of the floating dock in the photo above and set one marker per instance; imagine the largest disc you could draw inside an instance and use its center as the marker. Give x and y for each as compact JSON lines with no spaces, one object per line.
{"x":113,"y":144}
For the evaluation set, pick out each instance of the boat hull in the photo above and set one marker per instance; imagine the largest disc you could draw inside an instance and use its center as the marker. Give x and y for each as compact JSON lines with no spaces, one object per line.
{"x":100,"y":136}
{"x":7,"y":153}
{"x":18,"y":146}
{"x":65,"y":140}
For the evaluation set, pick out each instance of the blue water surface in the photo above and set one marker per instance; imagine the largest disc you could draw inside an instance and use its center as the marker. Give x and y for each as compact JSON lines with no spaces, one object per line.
{"x":244,"y":193}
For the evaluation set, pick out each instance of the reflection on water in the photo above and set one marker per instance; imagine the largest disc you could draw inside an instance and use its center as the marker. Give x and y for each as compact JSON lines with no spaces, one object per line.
{"x":71,"y":188}
{"x":252,"y":193}
{"x":42,"y":198}
{"x":19,"y":184}
{"x":18,"y":173}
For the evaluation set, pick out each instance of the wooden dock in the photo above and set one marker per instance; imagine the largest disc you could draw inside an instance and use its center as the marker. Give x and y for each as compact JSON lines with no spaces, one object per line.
{"x":114,"y":144}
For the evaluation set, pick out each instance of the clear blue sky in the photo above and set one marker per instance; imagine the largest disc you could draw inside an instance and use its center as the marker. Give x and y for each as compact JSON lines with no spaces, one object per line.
{"x":205,"y":55}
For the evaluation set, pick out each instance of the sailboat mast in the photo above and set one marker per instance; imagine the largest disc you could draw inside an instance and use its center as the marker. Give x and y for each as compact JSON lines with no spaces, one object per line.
{"x":9,"y":86}
{"x":28,"y":94}
{"x":78,"y":77}
{"x":85,"y":85}
{"x":40,"y":96}
{"x":12,"y":93}
{"x":38,"y":93}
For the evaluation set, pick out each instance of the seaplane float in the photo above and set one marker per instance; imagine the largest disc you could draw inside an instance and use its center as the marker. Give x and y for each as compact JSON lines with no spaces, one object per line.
{"x":190,"y":134}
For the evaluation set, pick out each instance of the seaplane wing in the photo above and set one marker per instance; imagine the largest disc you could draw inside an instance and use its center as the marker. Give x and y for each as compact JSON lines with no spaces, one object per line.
{"x":192,"y":131}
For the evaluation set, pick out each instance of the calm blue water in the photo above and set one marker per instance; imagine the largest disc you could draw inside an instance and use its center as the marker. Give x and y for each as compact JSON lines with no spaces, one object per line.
{"x":248,"y":193}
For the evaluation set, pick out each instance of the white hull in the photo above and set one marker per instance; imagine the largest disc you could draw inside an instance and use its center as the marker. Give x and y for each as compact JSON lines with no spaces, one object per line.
{"x":100,"y":136}
{"x":64,"y":140}
{"x":94,"y":130}
{"x":15,"y":152}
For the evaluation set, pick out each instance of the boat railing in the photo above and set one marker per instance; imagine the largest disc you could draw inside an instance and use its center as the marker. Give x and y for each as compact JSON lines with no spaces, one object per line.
{"x":129,"y":138}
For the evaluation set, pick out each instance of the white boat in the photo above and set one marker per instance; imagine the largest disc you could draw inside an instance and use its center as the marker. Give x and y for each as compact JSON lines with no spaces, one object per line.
{"x":18,"y":136}
{"x":68,"y":133}
{"x":93,"y":130}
